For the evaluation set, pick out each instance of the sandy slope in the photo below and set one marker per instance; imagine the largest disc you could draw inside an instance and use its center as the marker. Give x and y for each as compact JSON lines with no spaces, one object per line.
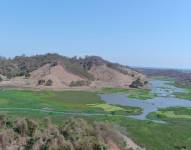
{"x":106,"y":76}
{"x":59,"y":75}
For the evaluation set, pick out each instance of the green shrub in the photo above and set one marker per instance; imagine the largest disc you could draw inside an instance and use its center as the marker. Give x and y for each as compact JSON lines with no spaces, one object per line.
{"x":80,"y":83}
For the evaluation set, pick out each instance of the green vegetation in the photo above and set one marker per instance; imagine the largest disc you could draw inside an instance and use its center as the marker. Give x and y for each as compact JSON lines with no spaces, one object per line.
{"x":59,"y":101}
{"x":184,"y":95}
{"x":66,"y":101}
{"x":171,"y":114}
{"x":107,"y":107}
{"x":148,"y":134}
{"x":142,"y":94}
{"x":155,"y":136}
{"x":117,"y":109}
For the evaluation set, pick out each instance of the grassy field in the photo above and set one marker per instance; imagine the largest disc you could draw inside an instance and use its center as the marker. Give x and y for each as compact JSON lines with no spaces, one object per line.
{"x":142,"y":94}
{"x":72,"y":101}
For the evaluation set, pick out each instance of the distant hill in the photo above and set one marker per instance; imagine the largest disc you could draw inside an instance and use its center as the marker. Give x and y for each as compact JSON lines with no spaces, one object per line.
{"x":58,"y":72}
{"x":182,"y":77}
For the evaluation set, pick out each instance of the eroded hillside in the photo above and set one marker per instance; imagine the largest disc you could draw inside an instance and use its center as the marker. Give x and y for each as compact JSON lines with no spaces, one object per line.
{"x":54,"y":71}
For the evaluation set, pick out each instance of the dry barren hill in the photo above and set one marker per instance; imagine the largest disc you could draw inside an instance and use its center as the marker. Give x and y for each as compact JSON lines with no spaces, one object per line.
{"x":58,"y":72}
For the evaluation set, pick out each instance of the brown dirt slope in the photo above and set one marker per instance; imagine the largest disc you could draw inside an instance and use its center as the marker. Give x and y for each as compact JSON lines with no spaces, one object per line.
{"x":109,"y":77}
{"x":60,"y":77}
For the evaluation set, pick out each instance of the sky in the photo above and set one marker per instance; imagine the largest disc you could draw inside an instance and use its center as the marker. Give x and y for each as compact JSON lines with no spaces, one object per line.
{"x":149,"y":33}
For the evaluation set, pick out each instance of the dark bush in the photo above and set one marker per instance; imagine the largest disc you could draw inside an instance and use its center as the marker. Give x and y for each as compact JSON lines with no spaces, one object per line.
{"x":30,"y":143}
{"x":49,"y":83}
{"x":80,"y":83}
{"x":136,"y":84}
{"x":27,"y":75}
{"x":2,"y":121}
{"x":41,"y":82}
{"x":21,"y":127}
{"x":146,"y":82}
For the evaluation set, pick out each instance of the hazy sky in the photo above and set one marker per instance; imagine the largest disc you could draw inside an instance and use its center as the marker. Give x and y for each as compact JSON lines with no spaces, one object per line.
{"x":134,"y":32}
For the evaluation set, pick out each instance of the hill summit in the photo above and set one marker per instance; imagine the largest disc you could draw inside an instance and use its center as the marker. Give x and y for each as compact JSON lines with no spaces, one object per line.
{"x":59,"y":72}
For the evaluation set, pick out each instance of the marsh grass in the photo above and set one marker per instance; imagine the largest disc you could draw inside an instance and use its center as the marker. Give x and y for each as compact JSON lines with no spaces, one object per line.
{"x":172,"y":114}
{"x":185,"y":95}
{"x":142,"y":94}
{"x":52,"y":102}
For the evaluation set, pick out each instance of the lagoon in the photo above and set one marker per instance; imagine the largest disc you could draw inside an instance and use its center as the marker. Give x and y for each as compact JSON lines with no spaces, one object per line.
{"x":164,"y":98}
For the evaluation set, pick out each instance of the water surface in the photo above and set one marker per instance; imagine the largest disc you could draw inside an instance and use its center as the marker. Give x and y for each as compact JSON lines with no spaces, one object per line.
{"x":164,"y":98}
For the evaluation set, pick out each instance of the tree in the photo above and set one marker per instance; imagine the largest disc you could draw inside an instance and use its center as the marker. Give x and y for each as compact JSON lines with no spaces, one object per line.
{"x":136,"y":84}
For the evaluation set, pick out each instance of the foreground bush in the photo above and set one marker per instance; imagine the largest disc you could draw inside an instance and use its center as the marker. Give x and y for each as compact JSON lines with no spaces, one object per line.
{"x":72,"y":134}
